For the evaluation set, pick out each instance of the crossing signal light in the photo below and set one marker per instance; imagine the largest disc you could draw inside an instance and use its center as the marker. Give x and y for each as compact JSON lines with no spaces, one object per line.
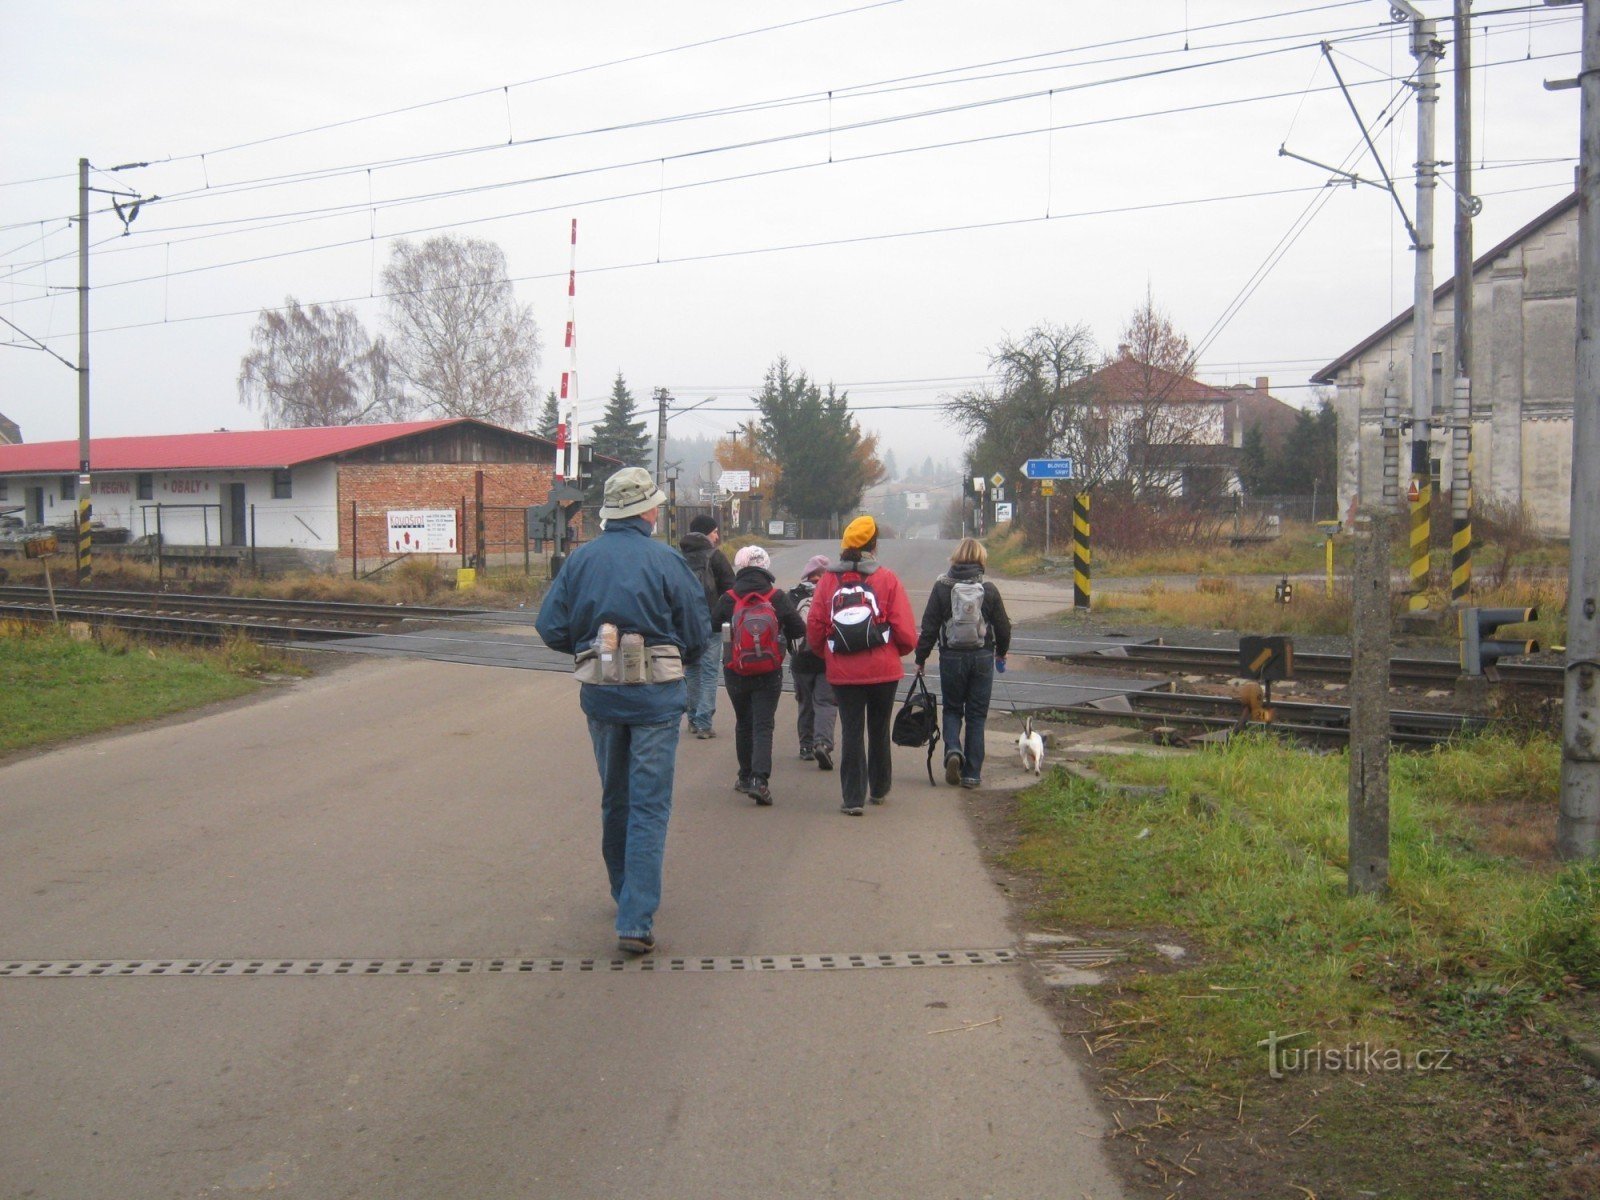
{"x":1480,"y":649}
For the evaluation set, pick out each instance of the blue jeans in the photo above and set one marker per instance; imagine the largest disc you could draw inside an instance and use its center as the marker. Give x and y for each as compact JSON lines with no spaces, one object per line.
{"x":966,"y":677}
{"x":703,"y":679}
{"x":636,"y":763}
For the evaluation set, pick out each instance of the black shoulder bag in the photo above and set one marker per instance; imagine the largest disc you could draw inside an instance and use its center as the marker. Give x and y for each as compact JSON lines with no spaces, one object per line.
{"x":917,"y":722}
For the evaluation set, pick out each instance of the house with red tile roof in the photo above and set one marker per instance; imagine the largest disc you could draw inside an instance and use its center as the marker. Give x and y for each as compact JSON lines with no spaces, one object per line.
{"x":1161,"y":431}
{"x":316,"y":495}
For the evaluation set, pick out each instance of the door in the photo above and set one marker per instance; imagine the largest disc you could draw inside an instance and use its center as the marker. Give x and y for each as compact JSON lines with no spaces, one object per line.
{"x":33,"y":498}
{"x":236,"y":515}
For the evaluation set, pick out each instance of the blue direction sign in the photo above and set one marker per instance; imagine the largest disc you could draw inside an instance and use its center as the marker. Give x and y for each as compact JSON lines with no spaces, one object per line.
{"x":1048,"y":468}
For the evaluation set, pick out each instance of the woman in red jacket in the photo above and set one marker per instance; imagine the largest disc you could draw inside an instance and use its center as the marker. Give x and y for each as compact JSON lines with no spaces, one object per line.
{"x":862,"y":658}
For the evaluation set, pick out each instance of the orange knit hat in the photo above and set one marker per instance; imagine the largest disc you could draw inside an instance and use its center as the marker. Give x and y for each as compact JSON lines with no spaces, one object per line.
{"x":858,"y":533}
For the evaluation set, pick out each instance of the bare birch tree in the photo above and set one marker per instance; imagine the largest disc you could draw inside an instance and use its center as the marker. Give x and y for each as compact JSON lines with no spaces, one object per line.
{"x":316,"y":366}
{"x":463,"y":344}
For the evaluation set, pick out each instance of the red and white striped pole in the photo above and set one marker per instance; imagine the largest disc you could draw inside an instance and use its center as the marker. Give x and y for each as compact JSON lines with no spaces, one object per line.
{"x":567,"y":431}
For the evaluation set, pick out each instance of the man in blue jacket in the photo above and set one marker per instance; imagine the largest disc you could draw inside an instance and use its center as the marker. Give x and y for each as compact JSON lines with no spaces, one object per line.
{"x":634,"y":700}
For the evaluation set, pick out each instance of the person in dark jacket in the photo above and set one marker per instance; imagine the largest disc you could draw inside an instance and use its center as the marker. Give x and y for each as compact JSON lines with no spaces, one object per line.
{"x":700,"y":549}
{"x":864,"y":680}
{"x":755,"y":697}
{"x":972,"y":643}
{"x":624,"y":583}
{"x":818,"y":706}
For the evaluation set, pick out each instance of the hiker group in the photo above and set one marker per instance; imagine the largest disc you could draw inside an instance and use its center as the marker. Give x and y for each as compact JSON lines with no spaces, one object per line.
{"x":634,"y":612}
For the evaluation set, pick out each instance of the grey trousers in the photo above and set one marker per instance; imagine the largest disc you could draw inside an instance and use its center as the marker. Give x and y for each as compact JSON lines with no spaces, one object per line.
{"x":818,"y":708}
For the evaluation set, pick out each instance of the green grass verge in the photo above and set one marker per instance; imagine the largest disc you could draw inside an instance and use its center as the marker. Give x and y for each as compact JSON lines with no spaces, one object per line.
{"x":55,"y":687}
{"x":1245,"y":854}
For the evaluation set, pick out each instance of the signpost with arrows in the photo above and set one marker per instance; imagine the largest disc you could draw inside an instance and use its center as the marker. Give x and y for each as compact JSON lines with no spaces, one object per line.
{"x":1048,"y":470}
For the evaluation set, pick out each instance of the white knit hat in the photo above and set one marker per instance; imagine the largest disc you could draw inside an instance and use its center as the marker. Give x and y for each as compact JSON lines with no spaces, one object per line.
{"x":751,"y":556}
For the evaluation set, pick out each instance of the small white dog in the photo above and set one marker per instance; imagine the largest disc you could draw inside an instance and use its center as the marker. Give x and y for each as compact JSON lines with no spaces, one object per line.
{"x":1031,"y":746}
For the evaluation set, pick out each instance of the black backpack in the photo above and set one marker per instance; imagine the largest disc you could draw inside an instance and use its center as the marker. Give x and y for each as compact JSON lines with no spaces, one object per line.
{"x":917,"y":722}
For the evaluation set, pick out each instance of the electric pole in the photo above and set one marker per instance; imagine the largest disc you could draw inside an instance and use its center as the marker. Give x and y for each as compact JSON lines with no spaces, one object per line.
{"x":1467,"y":206}
{"x":1578,"y":827}
{"x":662,"y":397}
{"x":1426,"y":50}
{"x":85,"y":480}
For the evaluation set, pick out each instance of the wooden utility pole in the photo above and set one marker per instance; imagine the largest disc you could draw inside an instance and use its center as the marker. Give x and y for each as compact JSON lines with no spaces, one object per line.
{"x":1578,"y":827}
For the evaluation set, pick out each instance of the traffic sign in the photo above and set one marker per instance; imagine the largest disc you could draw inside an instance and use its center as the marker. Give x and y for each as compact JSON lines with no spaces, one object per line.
{"x":1412,"y":493}
{"x":1047,"y":488}
{"x":1048,"y":468}
{"x":997,"y":479}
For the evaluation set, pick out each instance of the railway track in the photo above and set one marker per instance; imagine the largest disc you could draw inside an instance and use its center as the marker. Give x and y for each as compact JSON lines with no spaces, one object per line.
{"x":1190,"y":717}
{"x":215,"y":618}
{"x":1220,"y":661}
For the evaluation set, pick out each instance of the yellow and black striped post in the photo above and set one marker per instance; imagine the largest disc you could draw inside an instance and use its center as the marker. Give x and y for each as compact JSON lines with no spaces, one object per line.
{"x":1460,"y":559}
{"x":1080,"y":550}
{"x":1421,"y":524}
{"x":85,"y":562}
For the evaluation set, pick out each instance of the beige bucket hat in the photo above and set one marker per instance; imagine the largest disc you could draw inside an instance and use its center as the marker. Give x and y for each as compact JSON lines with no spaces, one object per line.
{"x":630,"y":492}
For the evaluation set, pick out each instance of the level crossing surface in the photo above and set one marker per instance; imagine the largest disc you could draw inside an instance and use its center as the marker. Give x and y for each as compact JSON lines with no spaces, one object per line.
{"x":507,"y":639}
{"x":401,"y":810}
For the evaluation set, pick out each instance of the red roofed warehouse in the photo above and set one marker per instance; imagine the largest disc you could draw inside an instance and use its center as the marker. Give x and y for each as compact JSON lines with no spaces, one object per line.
{"x":289,"y":493}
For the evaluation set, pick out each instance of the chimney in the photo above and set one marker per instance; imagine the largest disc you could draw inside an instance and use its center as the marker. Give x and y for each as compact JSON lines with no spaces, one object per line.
{"x":1261,"y":383}
{"x":1124,"y":350}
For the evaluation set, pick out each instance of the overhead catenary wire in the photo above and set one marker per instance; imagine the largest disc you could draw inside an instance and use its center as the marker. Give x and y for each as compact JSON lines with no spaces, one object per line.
{"x":416,"y":231}
{"x":1355,"y":32}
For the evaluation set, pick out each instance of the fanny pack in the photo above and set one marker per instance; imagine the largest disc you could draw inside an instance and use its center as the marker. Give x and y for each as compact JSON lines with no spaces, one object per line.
{"x":657,"y":664}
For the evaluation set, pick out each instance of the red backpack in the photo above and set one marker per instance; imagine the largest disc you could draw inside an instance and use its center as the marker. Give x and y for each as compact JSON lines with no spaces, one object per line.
{"x":755,"y":644}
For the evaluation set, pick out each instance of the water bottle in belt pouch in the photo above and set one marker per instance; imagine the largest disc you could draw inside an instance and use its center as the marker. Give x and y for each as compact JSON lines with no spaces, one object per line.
{"x":606,"y":647}
{"x":635,"y":663}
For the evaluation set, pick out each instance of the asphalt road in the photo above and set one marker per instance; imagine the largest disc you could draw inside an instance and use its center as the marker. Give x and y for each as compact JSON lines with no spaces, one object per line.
{"x":403,"y":810}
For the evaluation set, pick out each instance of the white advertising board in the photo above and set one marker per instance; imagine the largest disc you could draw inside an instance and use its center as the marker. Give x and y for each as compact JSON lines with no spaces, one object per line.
{"x":422,"y":531}
{"x":1002,"y":513}
{"x":774,"y":528}
{"x":734,"y":481}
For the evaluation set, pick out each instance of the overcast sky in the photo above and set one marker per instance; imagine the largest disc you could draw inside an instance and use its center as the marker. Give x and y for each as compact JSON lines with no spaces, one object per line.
{"x":978,"y":169}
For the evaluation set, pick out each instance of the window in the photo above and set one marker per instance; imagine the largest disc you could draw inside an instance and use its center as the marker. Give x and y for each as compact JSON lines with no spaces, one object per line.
{"x":282,"y":485}
{"x":69,"y":487}
{"x":147,"y":486}
{"x":5,"y":490}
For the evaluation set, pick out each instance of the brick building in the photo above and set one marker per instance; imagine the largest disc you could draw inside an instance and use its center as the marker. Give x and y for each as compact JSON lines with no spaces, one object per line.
{"x":306,"y":495}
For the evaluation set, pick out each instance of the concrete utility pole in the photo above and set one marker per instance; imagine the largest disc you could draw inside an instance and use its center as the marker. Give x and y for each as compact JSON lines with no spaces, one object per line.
{"x":1578,"y":827}
{"x":1466,"y":206}
{"x":1426,"y":50}
{"x":85,"y":480}
{"x":662,"y":396}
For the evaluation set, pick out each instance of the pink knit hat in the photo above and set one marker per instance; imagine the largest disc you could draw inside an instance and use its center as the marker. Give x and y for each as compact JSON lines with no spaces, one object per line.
{"x":814,"y":565}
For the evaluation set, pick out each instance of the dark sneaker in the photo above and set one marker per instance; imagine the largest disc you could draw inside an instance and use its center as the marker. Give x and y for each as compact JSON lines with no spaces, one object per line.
{"x":969,"y":783}
{"x":637,"y":945}
{"x":952,"y":768}
{"x":706,"y":734}
{"x":851,"y":812}
{"x":743,"y":784}
{"x":760,"y":792}
{"x":806,"y":754}
{"x":877,"y":799}
{"x":824,"y":757}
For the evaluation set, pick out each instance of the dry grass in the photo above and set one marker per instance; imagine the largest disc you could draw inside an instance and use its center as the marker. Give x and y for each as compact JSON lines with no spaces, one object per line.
{"x":1228,"y":604}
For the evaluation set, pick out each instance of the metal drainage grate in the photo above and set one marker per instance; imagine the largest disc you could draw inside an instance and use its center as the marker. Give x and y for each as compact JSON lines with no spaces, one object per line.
{"x":233,"y":967}
{"x":1080,"y":956}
